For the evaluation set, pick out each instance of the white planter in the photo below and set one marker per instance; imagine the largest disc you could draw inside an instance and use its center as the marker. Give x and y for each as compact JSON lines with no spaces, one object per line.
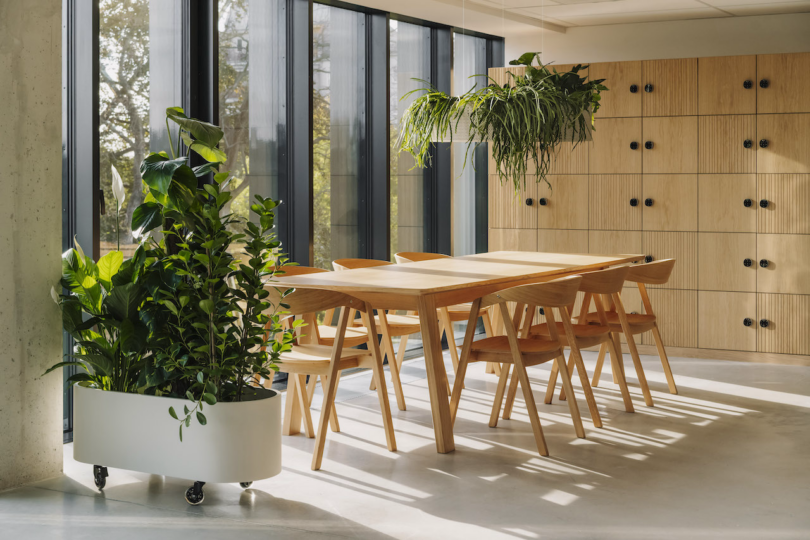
{"x":240,"y":443}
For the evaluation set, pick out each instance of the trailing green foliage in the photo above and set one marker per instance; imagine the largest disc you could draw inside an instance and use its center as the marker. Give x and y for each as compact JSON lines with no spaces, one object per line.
{"x":523,"y":120}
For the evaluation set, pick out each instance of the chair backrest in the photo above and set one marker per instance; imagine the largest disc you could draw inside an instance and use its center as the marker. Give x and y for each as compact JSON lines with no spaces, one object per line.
{"x":351,"y":264}
{"x":655,"y":273}
{"x":415,"y":256}
{"x":557,"y":293}
{"x":604,"y":281}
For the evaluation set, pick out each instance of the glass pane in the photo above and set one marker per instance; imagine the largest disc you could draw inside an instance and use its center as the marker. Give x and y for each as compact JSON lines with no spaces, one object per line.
{"x":410,"y":60}
{"x":469,"y":59}
{"x":339,"y":109}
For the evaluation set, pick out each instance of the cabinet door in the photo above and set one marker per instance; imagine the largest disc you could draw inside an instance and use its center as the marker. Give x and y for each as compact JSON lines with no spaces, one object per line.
{"x":722,"y":200}
{"x":728,"y":85}
{"x":681,"y":246}
{"x":569,"y":158}
{"x":728,"y":144}
{"x":512,"y":239}
{"x":787,"y":317}
{"x":624,"y":81}
{"x":612,"y":150}
{"x":562,"y":241}
{"x":507,"y":209}
{"x":786,"y":78}
{"x":670,"y":202}
{"x":615,"y":202}
{"x":723,"y":318}
{"x":673,"y":145}
{"x":786,"y":201}
{"x":788,"y":263}
{"x":565,"y":204}
{"x":607,"y":242}
{"x":787,"y":137}
{"x":727,"y":262}
{"x":676,"y":314}
{"x":670,"y":87}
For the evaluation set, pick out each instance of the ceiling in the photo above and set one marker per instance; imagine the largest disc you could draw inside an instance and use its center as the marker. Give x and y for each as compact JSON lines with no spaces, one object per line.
{"x":573,"y":13}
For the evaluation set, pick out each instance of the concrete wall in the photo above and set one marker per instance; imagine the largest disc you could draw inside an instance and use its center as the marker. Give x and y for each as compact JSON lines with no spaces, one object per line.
{"x":671,"y":39}
{"x":30,"y":240}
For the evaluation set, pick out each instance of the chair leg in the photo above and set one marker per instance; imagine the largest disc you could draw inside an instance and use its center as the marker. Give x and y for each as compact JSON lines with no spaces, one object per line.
{"x":586,"y":387}
{"x":531,"y":407}
{"x":511,"y":394}
{"x":466,"y":346}
{"x":618,"y":372}
{"x":334,"y":425}
{"x":490,"y":367}
{"x":292,"y":411}
{"x":570,"y":374}
{"x":496,"y":405}
{"x":392,"y":360}
{"x":572,"y":401}
{"x":303,"y":402}
{"x":662,"y":354}
{"x":552,"y":383}
{"x":379,"y":375}
{"x":600,"y":360}
{"x":446,"y":328}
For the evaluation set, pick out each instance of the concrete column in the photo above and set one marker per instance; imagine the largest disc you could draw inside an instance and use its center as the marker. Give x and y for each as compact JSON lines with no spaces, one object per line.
{"x":30,"y":240}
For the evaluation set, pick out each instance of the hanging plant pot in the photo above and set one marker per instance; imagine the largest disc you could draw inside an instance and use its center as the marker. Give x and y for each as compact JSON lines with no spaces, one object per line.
{"x":240,"y":443}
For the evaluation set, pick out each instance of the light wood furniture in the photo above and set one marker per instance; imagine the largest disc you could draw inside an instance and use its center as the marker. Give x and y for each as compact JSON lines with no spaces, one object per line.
{"x":426,"y":286}
{"x":730,"y":154}
{"x":522,"y":352}
{"x":308,"y":357}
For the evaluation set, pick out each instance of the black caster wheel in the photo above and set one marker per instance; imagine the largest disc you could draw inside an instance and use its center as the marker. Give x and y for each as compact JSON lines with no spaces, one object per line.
{"x":245,"y":485}
{"x":195,"y":494}
{"x":100,"y":476}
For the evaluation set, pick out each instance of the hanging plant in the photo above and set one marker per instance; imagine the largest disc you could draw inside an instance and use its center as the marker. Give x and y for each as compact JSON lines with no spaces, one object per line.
{"x":521,"y":121}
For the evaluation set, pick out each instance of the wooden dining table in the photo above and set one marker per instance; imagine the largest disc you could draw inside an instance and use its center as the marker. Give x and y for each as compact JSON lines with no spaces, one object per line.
{"x":425,"y":286}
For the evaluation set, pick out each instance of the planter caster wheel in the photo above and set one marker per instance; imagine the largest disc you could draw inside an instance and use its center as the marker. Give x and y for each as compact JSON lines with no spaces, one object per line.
{"x":100,"y":476}
{"x":195,"y":494}
{"x":245,"y":485}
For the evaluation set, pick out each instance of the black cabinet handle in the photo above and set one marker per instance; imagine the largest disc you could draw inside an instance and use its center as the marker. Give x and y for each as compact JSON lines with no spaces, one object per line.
{"x":648,"y":202}
{"x":748,"y":203}
{"x":529,"y":201}
{"x":764,"y":323}
{"x":648,"y":88}
{"x":748,"y":263}
{"x":748,"y":84}
{"x":633,"y":202}
{"x":542,"y":311}
{"x":763,"y":203}
{"x":763,"y":263}
{"x":649,"y":258}
{"x":747,"y":321}
{"x":634,"y":145}
{"x":764,"y":83}
{"x":633,"y":88}
{"x":649,"y":145}
{"x":748,"y":143}
{"x":763,"y":143}
{"x":542,"y":201}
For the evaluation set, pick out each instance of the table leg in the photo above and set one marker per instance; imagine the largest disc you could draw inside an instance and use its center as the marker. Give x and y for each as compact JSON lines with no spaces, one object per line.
{"x":436,"y":375}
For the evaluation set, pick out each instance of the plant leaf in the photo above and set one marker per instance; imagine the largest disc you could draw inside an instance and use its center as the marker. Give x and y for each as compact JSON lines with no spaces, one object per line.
{"x":145,"y":218}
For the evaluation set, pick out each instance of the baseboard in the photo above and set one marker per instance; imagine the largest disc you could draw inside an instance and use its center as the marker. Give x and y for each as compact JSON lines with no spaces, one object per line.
{"x":718,"y":354}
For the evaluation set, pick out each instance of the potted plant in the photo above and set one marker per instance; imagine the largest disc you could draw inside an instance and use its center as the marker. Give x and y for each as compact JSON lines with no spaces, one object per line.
{"x":182,"y":330}
{"x":523,"y":120}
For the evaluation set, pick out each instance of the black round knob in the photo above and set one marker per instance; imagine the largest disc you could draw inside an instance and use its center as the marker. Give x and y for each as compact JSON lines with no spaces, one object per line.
{"x":633,"y":202}
{"x":748,"y":84}
{"x":763,"y":203}
{"x":633,"y":88}
{"x":763,"y":263}
{"x":748,"y":203}
{"x":764,"y":323}
{"x":648,"y":202}
{"x":748,"y":262}
{"x":542,"y":201}
{"x":764,"y":83}
{"x":648,"y":88}
{"x":529,"y":201}
{"x":634,"y":145}
{"x":747,"y":321}
{"x":648,"y":258}
{"x":648,"y":145}
{"x":748,"y":143}
{"x":763,"y":143}
{"x":542,"y":311}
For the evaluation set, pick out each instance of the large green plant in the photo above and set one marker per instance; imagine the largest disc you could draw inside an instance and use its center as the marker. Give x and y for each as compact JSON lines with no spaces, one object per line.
{"x":522,"y":121}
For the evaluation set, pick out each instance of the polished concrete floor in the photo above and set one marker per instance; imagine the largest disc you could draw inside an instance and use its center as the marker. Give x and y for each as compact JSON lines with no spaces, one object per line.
{"x":727,"y":458}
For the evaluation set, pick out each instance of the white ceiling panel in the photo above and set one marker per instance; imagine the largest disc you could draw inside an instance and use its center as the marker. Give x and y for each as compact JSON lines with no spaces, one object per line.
{"x":768,"y":9}
{"x":726,"y":3}
{"x":568,"y":12}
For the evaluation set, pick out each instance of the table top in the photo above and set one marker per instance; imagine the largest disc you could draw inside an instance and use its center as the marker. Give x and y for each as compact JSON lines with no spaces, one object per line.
{"x":448,"y":274}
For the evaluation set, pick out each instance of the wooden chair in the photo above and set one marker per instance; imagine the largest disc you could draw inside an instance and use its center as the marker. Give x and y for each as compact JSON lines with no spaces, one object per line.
{"x":520,"y":351}
{"x":654,"y":273}
{"x":449,"y":315}
{"x":308,"y":357}
{"x":390,"y":325}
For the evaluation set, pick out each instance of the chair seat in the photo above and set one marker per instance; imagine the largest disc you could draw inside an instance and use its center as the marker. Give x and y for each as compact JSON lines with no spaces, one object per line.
{"x":315,"y":359}
{"x":580,"y":330}
{"x":639,"y":322}
{"x":399,"y":325}
{"x":500,"y":345}
{"x":354,"y":336}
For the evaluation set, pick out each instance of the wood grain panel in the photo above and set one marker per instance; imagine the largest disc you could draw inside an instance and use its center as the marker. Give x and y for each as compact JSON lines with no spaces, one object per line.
{"x":788,"y":77}
{"x":676,"y":314}
{"x":609,"y":202}
{"x":721,"y":202}
{"x":562,"y":241}
{"x":720,"y":320}
{"x":788,"y":269}
{"x":566,"y":202}
{"x":674,"y":202}
{"x":681,"y":246}
{"x":507,"y":209}
{"x":675,"y":142}
{"x":618,"y":101}
{"x":788,"y":137}
{"x":500,"y":74}
{"x":614,"y":242}
{"x":674,"y":87}
{"x":722,"y":144}
{"x":570,"y":158}
{"x":721,"y":258}
{"x":512,"y":239}
{"x":788,"y":197}
{"x":721,"y":87}
{"x":610,"y":151}
{"x":788,"y":317}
